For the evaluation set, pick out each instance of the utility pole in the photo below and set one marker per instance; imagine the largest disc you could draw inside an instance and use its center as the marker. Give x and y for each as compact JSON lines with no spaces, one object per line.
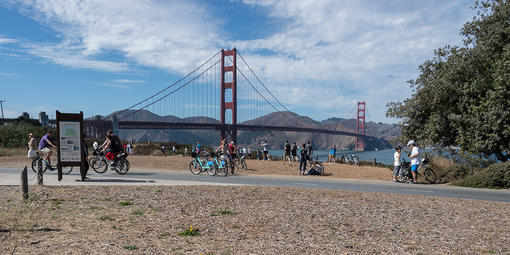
{"x":2,"y":107}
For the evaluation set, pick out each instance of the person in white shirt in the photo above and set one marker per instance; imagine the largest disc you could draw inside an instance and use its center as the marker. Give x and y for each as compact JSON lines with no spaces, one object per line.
{"x":415,"y":158}
{"x":396,"y":162}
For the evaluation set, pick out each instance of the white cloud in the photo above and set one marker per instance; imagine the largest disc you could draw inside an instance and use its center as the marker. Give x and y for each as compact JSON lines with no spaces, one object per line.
{"x":113,"y":85}
{"x":172,"y":35}
{"x":5,"y":40}
{"x":327,"y":55}
{"x":128,"y":81}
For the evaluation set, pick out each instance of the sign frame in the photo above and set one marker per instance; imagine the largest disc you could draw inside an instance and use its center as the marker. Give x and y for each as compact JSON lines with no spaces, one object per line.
{"x":76,"y":118}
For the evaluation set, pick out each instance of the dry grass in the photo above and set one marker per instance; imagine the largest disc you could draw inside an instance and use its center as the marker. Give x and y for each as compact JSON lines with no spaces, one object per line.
{"x":9,"y":152}
{"x":246,"y":220}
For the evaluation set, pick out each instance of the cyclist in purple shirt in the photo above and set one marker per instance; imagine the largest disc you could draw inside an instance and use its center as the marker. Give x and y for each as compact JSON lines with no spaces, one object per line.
{"x":45,"y":145}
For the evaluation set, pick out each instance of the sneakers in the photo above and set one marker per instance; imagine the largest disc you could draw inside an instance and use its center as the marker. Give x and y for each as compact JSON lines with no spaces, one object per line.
{"x":395,"y":180}
{"x":45,"y":162}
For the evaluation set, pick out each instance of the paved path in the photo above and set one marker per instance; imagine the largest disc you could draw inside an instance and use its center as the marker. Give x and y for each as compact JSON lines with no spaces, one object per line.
{"x":9,"y":176}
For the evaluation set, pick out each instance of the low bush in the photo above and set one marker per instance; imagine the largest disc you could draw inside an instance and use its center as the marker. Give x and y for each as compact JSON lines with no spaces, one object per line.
{"x":495,"y":176}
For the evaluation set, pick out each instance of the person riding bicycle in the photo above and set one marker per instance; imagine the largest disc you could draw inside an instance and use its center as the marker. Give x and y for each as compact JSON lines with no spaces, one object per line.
{"x":415,"y":159}
{"x":396,"y":162}
{"x":112,"y":143}
{"x":45,"y":146}
{"x":223,"y":151}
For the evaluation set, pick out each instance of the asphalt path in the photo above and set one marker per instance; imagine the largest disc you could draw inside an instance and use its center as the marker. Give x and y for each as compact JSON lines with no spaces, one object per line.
{"x":176,"y":178}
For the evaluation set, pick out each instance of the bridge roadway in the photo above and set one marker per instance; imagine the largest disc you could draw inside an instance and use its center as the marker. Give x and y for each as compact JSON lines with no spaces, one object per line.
{"x":218,"y":126}
{"x":9,"y":176}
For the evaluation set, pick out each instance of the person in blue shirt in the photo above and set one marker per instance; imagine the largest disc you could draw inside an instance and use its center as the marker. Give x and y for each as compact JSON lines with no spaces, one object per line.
{"x":46,"y":144}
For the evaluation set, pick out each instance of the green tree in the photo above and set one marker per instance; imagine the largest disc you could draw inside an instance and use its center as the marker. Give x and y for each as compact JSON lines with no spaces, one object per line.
{"x":461,"y":95}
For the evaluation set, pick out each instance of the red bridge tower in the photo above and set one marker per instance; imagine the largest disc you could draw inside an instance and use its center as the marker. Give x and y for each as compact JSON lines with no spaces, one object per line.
{"x":229,"y":85}
{"x":360,"y":126}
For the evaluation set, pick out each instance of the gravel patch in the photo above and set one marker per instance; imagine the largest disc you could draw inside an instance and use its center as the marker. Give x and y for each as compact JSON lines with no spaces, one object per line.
{"x":245,"y":220}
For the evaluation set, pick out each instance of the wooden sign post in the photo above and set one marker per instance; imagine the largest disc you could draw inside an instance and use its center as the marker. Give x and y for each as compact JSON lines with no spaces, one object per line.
{"x":70,"y":142}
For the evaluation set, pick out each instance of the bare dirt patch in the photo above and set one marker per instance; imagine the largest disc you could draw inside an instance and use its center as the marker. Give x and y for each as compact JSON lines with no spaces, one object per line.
{"x":245,"y":220}
{"x":179,"y":163}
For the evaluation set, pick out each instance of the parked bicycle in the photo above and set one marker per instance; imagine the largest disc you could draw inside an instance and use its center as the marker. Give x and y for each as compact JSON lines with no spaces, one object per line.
{"x":315,"y":164}
{"x":240,"y":162}
{"x":197,"y":166}
{"x":222,"y":167}
{"x":52,"y":166}
{"x":405,"y":174}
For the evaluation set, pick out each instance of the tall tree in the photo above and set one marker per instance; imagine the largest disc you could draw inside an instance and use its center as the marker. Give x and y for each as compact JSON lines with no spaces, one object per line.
{"x":461,"y":96}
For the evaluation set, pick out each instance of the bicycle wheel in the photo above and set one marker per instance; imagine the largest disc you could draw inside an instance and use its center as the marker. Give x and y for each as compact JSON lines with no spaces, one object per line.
{"x":195,"y":168}
{"x":211,"y":170}
{"x":34,"y":166}
{"x":430,"y":175}
{"x":122,"y":166}
{"x":318,"y":166}
{"x":99,"y":165}
{"x":67,"y":169}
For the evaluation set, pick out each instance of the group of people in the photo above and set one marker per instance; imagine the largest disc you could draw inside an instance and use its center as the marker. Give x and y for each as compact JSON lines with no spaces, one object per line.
{"x":415,"y":160}
{"x":45,"y":146}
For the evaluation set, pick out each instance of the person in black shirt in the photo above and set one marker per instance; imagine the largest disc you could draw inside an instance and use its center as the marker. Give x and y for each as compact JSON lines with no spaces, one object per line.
{"x":113,"y":144}
{"x":294,"y":152}
{"x":286,"y":154}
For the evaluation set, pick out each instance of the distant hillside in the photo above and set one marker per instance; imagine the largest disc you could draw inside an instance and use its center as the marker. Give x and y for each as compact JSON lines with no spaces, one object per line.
{"x":275,"y":139}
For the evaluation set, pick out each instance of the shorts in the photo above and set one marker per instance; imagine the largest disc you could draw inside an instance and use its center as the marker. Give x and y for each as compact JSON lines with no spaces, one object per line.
{"x":45,"y":150}
{"x":414,"y":168}
{"x":286,"y":154}
{"x":396,"y":170}
{"x":224,"y":157}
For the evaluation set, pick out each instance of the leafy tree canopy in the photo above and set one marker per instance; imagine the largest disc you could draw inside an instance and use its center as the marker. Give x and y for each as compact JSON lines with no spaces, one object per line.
{"x":462,"y":95}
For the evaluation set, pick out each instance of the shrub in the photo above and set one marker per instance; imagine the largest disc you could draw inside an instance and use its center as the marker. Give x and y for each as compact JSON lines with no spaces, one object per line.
{"x":494,"y":176}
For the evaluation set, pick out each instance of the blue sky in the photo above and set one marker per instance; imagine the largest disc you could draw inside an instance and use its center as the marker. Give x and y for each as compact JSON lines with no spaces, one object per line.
{"x":318,"y":57}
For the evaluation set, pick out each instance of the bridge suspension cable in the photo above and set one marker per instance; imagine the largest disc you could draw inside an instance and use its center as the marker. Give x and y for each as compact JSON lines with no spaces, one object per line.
{"x":272,"y":95}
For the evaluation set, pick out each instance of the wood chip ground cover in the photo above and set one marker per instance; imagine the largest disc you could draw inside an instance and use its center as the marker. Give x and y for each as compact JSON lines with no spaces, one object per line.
{"x":261,"y":220}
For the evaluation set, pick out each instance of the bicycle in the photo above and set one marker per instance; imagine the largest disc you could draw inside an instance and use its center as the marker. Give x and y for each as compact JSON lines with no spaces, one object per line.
{"x":222,"y":167}
{"x":405,"y":174}
{"x":240,"y":162}
{"x":197,"y":166}
{"x":53,"y":165}
{"x":315,"y":164}
{"x":99,"y":163}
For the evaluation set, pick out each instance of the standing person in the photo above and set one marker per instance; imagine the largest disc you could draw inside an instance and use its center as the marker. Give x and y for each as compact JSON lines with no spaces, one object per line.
{"x":294,"y":152}
{"x":186,"y":151}
{"x":259,"y":156}
{"x":333,"y":152}
{"x":249,"y":151}
{"x":264,"y":150}
{"x":198,"y":147}
{"x":286,"y":154}
{"x":45,"y":143}
{"x":112,"y":143}
{"x":330,"y":155}
{"x":415,"y":159}
{"x":174,"y":150}
{"x":309,"y":150}
{"x":32,"y":147}
{"x":303,"y":156}
{"x":163,"y":150}
{"x":396,"y":162}
{"x":129,"y":148}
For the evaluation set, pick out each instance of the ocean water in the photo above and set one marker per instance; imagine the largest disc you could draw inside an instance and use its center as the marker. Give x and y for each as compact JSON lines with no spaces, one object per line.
{"x":382,"y":156}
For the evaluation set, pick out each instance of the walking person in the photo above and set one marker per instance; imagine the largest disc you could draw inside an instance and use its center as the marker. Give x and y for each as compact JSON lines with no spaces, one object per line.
{"x":32,"y":147}
{"x":128,"y":148}
{"x":396,"y":162}
{"x":415,"y":159}
{"x":163,"y":150}
{"x":249,"y":152}
{"x":174,"y":150}
{"x":294,"y":152}
{"x":286,"y":154}
{"x":303,"y":156}
{"x":333,"y":154}
{"x":265,"y":151}
{"x":186,"y":151}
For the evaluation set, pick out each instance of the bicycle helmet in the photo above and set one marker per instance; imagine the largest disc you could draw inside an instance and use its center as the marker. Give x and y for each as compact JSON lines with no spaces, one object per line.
{"x":411,"y":142}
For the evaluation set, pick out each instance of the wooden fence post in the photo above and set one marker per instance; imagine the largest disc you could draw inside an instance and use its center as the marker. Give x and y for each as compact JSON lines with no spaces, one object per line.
{"x":39,"y":172}
{"x":24,"y":183}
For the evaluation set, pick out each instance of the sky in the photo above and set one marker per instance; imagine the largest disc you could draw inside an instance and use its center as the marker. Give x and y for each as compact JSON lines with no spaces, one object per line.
{"x":319,"y":57}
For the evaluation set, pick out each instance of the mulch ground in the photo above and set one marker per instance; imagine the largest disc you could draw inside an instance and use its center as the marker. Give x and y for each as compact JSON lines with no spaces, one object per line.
{"x":245,"y":220}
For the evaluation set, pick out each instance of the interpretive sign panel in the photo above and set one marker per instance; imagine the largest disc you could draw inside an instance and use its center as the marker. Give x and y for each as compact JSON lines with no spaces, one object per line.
{"x":70,"y":141}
